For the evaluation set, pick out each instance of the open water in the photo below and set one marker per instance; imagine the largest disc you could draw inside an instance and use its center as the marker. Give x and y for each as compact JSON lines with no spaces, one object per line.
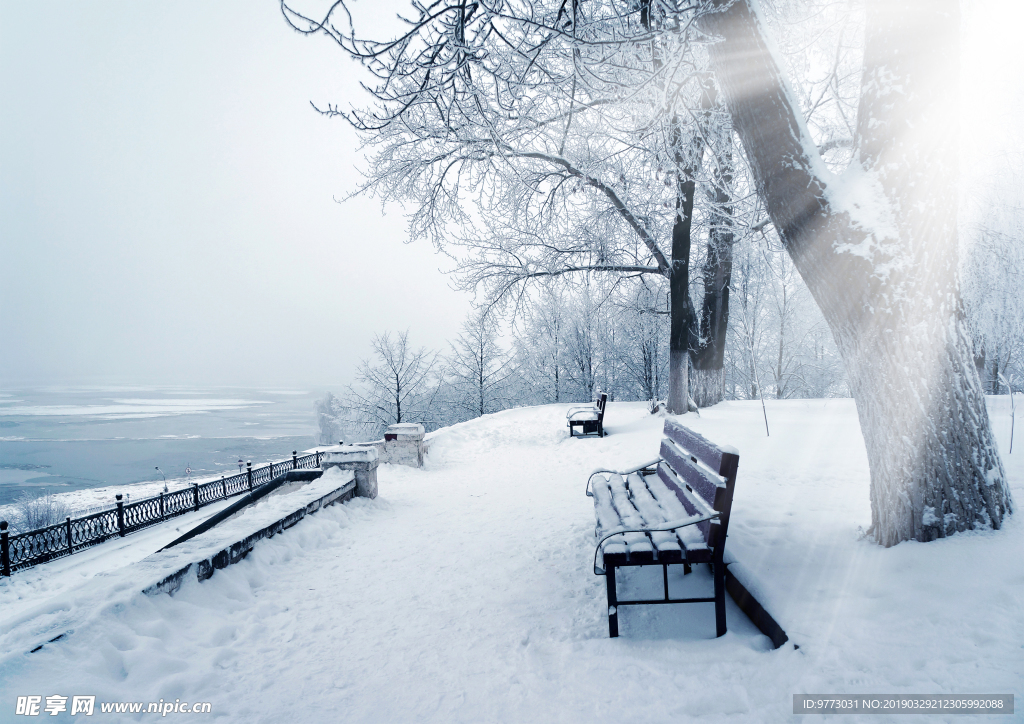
{"x":63,"y":439}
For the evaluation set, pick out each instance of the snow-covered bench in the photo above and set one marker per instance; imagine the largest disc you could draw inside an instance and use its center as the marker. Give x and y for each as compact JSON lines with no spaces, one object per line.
{"x":588,"y":417}
{"x":671,"y":510}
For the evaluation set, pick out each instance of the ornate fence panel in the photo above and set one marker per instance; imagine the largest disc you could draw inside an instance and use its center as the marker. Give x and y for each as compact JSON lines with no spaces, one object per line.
{"x":141,"y":514}
{"x":33,"y":547}
{"x":38,"y":546}
{"x":93,"y":529}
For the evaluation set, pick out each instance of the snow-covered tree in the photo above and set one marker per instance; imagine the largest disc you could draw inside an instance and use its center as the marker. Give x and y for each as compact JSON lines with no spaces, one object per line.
{"x":539,"y":343}
{"x":330,"y":419}
{"x":477,"y":372}
{"x":539,"y":139}
{"x":395,"y":385}
{"x":993,"y":274}
{"x":642,"y":350}
{"x":877,"y":247}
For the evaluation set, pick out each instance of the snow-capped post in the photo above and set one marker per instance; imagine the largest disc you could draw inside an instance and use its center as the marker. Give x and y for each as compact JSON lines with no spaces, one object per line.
{"x":120,"y":515}
{"x":295,"y":459}
{"x":5,"y":548}
{"x":362,"y":461}
{"x":195,"y":495}
{"x":248,"y":473}
{"x":67,"y":529}
{"x":161,"y":505}
{"x":403,"y":444}
{"x":223,"y":488}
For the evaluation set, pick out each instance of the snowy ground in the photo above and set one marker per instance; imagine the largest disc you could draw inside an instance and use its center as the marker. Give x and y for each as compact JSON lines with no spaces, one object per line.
{"x":465,"y":594}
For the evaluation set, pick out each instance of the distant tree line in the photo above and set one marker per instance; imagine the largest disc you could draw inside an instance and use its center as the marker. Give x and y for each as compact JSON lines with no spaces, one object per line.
{"x":569,"y":344}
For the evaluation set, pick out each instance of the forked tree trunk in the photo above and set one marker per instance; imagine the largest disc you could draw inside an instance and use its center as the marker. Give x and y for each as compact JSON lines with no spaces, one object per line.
{"x":877,"y":248}
{"x":708,"y":378}
{"x":681,"y":320}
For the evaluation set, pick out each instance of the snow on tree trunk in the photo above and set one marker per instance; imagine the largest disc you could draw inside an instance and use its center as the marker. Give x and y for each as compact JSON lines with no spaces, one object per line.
{"x":707,"y":380}
{"x":707,"y":386}
{"x":681,"y":321}
{"x":877,"y":248}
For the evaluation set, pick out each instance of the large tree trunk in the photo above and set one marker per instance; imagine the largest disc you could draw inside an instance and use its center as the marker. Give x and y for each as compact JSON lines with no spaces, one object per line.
{"x":681,"y":321}
{"x":708,"y":379}
{"x":877,"y":248}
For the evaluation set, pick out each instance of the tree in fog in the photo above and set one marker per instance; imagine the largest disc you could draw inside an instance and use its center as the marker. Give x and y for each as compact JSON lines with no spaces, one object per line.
{"x":330,"y":416}
{"x":877,"y":247}
{"x":539,"y":343}
{"x":477,"y":370}
{"x":642,"y":352}
{"x":395,"y":385}
{"x":993,"y":276}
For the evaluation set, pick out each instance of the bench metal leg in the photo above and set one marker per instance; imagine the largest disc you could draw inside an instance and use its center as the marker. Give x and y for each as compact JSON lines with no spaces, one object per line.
{"x":613,"y":603}
{"x":719,"y":573}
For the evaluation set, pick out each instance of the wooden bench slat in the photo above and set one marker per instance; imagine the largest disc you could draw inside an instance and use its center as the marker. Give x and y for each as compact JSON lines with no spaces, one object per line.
{"x":705,"y":450}
{"x":691,"y":537}
{"x":607,"y":518}
{"x":688,"y":501}
{"x":625,"y":546}
{"x":638,"y":545}
{"x":698,"y":477}
{"x":653,"y":515}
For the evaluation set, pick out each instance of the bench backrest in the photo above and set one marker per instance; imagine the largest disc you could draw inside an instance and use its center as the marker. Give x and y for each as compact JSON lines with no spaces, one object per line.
{"x":602,"y":400}
{"x":692,"y":462}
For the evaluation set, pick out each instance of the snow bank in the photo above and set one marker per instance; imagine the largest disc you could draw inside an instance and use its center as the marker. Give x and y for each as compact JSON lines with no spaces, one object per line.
{"x":464,"y":594}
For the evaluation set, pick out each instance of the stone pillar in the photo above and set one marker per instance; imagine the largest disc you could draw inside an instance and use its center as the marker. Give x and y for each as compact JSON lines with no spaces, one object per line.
{"x":362,"y":461}
{"x":403,"y":444}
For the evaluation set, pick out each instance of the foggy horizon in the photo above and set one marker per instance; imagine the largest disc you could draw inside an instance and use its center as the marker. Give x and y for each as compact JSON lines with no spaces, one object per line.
{"x":168,"y":205}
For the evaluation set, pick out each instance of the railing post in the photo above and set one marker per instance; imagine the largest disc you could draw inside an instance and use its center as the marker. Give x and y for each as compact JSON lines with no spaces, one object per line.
{"x":120,"y":515}
{"x":161,"y":505}
{"x":71,"y":547}
{"x":317,"y":459}
{"x":295,"y":459}
{"x":248,"y":468}
{"x":5,"y":549}
{"x":195,"y":495}
{"x":223,"y":487}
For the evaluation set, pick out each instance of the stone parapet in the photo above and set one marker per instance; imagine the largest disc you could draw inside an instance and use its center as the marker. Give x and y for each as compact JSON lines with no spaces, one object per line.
{"x":402,"y":445}
{"x":362,"y":460}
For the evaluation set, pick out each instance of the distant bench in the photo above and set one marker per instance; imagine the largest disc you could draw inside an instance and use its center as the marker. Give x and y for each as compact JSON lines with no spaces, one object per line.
{"x":671,"y":510}
{"x":589,"y":418}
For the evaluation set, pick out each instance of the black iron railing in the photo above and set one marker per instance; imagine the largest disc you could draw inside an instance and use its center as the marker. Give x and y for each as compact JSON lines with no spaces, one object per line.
{"x":33,"y":547}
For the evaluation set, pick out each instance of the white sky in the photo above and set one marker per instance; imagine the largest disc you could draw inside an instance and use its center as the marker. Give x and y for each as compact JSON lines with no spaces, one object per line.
{"x":167,"y":208}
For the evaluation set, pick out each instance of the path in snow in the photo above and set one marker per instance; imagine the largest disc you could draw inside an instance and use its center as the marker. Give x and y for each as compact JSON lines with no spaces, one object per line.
{"x":464,"y":593}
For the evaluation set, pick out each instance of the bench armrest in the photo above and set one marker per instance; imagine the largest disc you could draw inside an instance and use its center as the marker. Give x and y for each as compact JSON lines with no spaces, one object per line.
{"x":638,"y":468}
{"x":669,"y":525}
{"x":581,"y":408}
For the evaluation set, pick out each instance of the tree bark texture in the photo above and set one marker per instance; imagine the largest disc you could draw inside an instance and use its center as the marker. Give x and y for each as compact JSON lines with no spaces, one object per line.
{"x":706,"y":383}
{"x":877,"y":248}
{"x":682,"y":314}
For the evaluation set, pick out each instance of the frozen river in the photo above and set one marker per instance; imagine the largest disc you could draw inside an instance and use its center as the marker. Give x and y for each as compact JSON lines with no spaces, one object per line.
{"x":73,"y":438}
